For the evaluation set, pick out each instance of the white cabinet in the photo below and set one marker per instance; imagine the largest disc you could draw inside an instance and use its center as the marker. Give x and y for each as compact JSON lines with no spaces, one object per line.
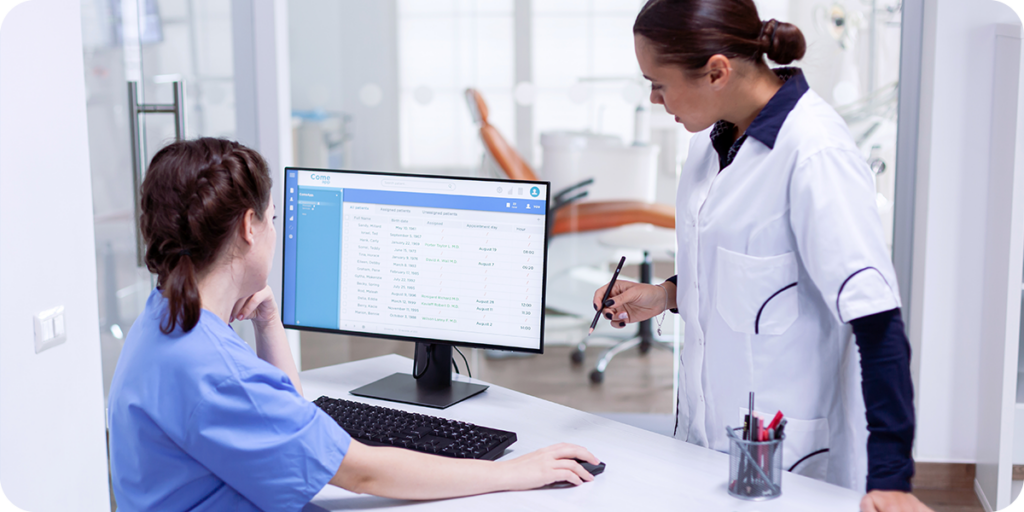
{"x":1018,"y":406}
{"x":1003,"y":266}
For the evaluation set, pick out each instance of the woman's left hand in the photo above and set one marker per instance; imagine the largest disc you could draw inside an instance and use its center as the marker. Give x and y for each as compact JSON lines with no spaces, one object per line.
{"x":259,"y":307}
{"x":892,"y":501}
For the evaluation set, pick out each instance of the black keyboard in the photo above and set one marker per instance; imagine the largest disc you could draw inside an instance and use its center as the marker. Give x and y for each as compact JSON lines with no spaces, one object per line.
{"x":383,"y":426}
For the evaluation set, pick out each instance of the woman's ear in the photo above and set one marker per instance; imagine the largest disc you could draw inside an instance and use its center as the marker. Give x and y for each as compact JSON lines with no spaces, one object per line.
{"x":249,"y":227}
{"x":719,"y":71}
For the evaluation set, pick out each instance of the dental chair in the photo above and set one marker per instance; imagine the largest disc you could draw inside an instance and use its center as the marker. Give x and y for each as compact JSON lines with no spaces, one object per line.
{"x":648,"y":227}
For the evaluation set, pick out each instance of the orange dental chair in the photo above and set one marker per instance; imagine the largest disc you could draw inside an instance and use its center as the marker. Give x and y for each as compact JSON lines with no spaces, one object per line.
{"x":568,"y":213}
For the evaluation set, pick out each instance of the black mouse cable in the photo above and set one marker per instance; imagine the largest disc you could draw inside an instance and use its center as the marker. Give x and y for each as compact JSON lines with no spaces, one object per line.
{"x":470,"y":372}
{"x":415,"y":362}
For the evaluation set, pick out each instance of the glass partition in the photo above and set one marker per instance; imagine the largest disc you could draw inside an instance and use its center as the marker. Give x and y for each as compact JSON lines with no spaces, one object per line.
{"x":154,"y":43}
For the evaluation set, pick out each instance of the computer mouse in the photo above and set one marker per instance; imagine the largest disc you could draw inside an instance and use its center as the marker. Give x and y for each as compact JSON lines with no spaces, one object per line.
{"x":594,"y":469}
{"x":591,"y":468}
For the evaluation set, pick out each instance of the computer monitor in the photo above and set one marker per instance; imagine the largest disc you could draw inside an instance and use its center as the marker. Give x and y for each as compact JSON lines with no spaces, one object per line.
{"x":435,"y":260}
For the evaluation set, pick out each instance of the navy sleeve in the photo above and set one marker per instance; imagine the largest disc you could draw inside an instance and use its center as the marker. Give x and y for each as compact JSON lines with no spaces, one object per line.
{"x":674,"y":280}
{"x":889,"y":399}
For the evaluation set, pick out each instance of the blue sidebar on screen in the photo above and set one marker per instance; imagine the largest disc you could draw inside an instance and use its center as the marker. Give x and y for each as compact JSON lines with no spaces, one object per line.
{"x":311,"y":297}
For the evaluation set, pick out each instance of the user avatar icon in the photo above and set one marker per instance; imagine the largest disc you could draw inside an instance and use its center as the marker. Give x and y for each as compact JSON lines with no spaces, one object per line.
{"x":535,"y":191}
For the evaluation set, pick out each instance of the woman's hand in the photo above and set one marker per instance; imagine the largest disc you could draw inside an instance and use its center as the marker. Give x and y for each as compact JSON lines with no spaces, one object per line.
{"x":259,"y":307}
{"x":546,"y":466}
{"x":633,"y":302}
{"x":892,"y":501}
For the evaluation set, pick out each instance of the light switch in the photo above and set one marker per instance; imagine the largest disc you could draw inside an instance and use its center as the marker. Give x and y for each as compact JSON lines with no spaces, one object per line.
{"x":49,"y":328}
{"x":58,"y":325}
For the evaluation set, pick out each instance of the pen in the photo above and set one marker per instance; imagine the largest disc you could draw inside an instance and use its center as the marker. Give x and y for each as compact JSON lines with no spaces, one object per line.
{"x":776,"y":420}
{"x":607,"y":293}
{"x":752,"y":420}
{"x":761,"y":438}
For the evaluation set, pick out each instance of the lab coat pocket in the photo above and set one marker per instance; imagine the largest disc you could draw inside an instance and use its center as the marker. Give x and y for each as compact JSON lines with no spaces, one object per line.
{"x":806,"y":448}
{"x":757,"y":295}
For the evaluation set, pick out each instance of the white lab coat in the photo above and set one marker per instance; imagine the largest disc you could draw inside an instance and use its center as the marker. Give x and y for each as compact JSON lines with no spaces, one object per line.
{"x":803,"y":212}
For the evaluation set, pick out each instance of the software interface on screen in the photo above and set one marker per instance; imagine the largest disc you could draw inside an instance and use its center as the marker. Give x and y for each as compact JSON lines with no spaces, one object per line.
{"x":420,"y":257}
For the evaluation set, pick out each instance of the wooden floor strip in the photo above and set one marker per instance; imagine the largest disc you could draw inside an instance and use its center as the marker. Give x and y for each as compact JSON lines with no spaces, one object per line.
{"x":941,"y":476}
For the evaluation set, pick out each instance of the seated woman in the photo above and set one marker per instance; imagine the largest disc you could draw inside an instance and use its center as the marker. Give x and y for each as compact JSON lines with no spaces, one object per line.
{"x":199,"y":422}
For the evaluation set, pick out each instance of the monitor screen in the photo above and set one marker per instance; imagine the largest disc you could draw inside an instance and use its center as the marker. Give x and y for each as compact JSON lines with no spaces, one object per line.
{"x":418,"y":258}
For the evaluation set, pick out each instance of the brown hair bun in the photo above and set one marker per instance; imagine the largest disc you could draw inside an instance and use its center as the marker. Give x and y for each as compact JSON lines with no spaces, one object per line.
{"x":689,"y":32}
{"x":782,"y":42}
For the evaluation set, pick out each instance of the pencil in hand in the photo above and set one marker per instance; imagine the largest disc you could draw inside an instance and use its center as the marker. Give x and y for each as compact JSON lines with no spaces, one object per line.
{"x":607,"y":293}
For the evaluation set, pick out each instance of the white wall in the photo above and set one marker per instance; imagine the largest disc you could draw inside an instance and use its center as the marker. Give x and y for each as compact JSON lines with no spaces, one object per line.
{"x":957,"y":85}
{"x":52,"y":443}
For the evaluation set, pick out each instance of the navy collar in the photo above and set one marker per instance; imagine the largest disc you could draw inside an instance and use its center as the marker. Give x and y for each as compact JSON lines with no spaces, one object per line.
{"x":768,"y":122}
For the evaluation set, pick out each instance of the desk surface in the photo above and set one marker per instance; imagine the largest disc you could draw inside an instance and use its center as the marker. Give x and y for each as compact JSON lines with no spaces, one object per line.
{"x":646,"y":471}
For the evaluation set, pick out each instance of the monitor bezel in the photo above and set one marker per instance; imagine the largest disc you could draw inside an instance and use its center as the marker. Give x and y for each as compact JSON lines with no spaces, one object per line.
{"x":544,"y":272}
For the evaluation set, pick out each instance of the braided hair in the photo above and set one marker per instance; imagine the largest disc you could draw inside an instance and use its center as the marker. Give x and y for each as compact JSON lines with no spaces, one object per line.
{"x":195,"y":194}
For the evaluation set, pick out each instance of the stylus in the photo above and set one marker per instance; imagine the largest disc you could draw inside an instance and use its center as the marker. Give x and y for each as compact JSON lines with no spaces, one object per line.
{"x":607,"y":293}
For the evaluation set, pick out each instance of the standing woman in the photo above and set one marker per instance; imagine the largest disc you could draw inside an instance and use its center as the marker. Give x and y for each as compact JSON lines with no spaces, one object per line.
{"x":200,"y":422}
{"x":781,"y":256}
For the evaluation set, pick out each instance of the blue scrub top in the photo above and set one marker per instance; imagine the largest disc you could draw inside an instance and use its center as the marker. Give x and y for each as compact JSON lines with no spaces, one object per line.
{"x":198,"y":422}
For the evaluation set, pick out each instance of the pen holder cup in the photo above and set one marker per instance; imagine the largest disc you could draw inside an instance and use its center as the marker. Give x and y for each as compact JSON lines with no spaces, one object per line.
{"x":755,"y":468}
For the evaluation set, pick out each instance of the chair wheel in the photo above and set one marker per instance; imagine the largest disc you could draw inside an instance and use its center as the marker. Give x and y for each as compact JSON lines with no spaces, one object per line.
{"x":577,"y":356}
{"x":596,"y":377}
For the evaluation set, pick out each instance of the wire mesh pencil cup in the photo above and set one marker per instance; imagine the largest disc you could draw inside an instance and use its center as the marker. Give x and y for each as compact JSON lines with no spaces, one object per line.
{"x":755,"y":467}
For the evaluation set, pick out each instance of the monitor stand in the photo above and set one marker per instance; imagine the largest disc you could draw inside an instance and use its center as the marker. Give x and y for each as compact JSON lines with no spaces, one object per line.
{"x":434,"y":388}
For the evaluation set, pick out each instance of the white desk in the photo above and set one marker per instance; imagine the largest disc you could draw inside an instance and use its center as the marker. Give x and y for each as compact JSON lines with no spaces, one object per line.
{"x":645,"y":471}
